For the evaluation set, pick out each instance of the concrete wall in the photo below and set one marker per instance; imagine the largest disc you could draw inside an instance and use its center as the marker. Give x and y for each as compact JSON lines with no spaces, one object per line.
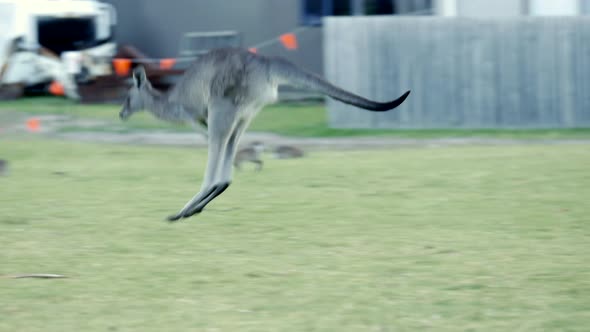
{"x":156,"y":26}
{"x":555,"y":8}
{"x":480,"y":8}
{"x":487,"y":8}
{"x":464,"y":72}
{"x":509,"y":8}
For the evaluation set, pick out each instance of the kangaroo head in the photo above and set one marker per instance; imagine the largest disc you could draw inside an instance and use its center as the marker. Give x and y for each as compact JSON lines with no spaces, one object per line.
{"x":258,"y":146}
{"x":137,"y":94}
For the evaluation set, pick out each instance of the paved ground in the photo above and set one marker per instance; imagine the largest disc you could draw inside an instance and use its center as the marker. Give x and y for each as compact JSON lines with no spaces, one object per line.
{"x":190,"y":139}
{"x":16,"y":124}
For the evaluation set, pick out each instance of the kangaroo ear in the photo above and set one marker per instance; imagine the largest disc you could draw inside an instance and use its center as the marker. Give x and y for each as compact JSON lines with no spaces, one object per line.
{"x":139,"y":76}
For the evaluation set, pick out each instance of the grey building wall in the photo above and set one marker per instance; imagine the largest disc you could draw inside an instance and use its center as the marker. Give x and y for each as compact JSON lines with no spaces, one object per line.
{"x":463,"y":72}
{"x":156,"y":26}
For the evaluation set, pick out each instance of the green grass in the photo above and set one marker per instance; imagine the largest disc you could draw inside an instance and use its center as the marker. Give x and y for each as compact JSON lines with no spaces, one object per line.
{"x":285,"y":119}
{"x":445,"y":239}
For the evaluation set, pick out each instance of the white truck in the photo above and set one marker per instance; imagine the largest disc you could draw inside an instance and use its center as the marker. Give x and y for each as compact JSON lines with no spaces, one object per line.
{"x":63,"y":41}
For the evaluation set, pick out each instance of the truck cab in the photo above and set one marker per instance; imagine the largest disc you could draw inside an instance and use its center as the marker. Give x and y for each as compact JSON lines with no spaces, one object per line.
{"x":77,"y":35}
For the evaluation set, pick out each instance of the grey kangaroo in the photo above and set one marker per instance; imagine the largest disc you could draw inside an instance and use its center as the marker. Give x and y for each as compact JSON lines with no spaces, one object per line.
{"x":3,"y":167}
{"x":288,"y":152}
{"x":251,"y":153}
{"x":222,"y":91}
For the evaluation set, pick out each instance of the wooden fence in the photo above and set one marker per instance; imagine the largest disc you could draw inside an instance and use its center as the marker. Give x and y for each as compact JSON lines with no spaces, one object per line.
{"x":464,"y":73}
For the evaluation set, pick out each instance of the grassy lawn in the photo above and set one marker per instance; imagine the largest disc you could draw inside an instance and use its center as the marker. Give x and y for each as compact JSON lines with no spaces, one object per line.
{"x":445,"y":239}
{"x":285,"y":119}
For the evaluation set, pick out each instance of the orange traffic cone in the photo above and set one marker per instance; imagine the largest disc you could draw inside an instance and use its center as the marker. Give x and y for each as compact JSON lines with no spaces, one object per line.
{"x":55,"y":88}
{"x":33,"y":124}
{"x":167,"y":63}
{"x":122,"y":66}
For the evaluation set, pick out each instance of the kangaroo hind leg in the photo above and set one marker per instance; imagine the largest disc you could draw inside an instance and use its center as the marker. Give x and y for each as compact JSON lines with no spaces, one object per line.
{"x":225,"y":174}
{"x":221,"y":120}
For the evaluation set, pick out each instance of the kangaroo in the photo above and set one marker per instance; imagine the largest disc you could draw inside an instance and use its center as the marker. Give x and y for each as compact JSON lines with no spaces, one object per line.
{"x":223,"y":90}
{"x":250,"y":153}
{"x":287,"y":152}
{"x":3,"y":167}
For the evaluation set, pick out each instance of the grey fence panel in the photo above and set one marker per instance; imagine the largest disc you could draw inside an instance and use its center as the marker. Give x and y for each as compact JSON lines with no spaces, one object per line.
{"x":463,"y":72}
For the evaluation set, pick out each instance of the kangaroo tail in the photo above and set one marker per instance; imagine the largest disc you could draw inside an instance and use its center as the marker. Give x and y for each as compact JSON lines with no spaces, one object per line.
{"x":288,"y":73}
